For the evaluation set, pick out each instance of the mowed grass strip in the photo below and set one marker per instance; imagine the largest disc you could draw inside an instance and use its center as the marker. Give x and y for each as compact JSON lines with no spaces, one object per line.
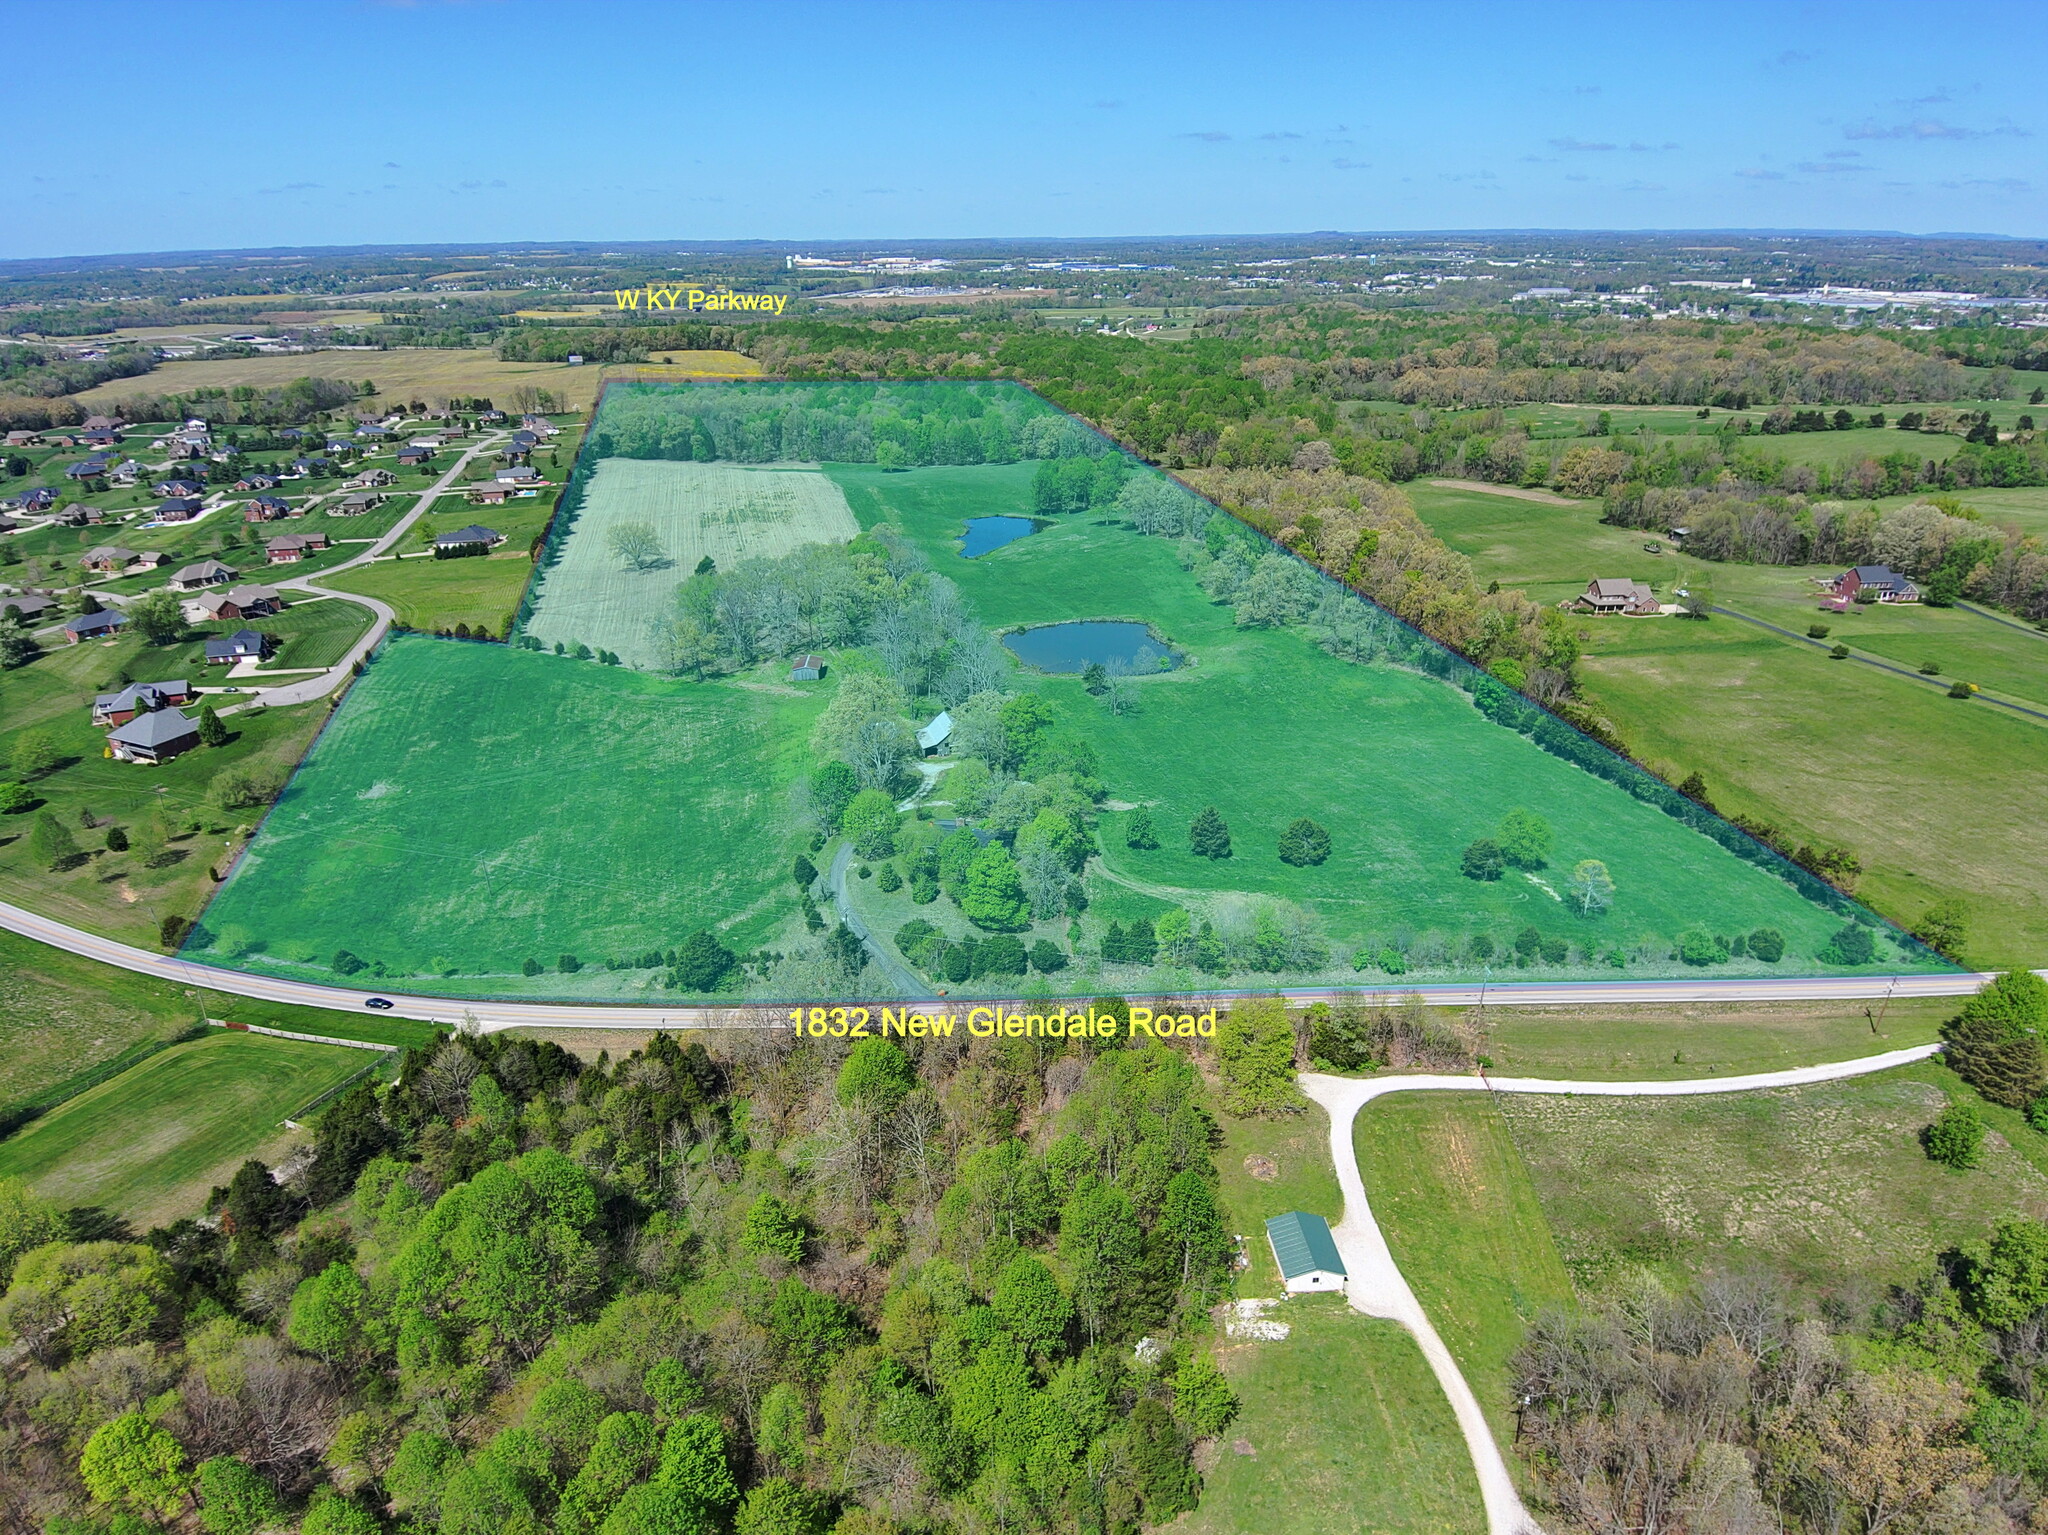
{"x":1461,"y":1217}
{"x":1399,"y":767}
{"x":728,"y":513}
{"x":1344,"y":1431}
{"x":429,"y":594}
{"x":472,"y":807}
{"x":150,"y":1143}
{"x":1825,"y":1188}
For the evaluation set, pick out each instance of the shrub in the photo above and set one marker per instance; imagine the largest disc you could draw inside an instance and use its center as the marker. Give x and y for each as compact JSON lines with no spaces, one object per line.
{"x":1960,"y":690}
{"x":15,"y":798}
{"x":1393,"y":961}
{"x":1138,"y":832}
{"x":531,"y":967}
{"x":1930,"y":668}
{"x":569,"y":964}
{"x":117,"y":840}
{"x":344,"y":963}
{"x":1816,"y":631}
{"x":1699,"y":947}
{"x":702,"y":962}
{"x":889,"y":881}
{"x":1482,"y":860}
{"x":1853,"y":945}
{"x":1956,"y":1138}
{"x":1767,"y":944}
{"x":1047,"y":957}
{"x":1839,"y":653}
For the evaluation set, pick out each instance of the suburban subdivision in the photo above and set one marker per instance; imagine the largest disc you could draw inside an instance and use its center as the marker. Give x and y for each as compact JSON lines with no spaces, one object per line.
{"x":736,"y":882}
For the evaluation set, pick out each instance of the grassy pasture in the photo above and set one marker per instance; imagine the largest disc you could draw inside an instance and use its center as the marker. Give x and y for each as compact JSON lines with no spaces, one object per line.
{"x":1823,"y":1187}
{"x":1449,"y":1191}
{"x":728,"y":512}
{"x":472,"y":807}
{"x":1344,"y":1431}
{"x":1934,"y":795}
{"x":402,"y":373}
{"x":430,"y":594}
{"x":150,"y":1143}
{"x":1397,"y":766}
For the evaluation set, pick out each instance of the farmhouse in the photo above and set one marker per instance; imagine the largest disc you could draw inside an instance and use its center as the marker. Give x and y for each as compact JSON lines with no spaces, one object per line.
{"x":293,"y":547}
{"x":92,"y":626}
{"x":475,"y":536}
{"x":1306,"y":1252}
{"x":242,"y":645}
{"x":1887,"y":583}
{"x":807,"y":669}
{"x":191,"y":578}
{"x":1606,"y":594}
{"x":107,"y":559}
{"x":119,"y":708}
{"x":935,"y":735}
{"x":155,"y":736}
{"x":356,"y":505}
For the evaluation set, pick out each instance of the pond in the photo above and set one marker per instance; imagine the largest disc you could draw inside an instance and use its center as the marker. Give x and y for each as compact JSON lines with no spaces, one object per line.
{"x":987,"y":533}
{"x":1072,"y":647}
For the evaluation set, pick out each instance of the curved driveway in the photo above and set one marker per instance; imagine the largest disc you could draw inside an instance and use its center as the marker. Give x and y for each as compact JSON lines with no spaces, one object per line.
{"x":1374,"y":1284}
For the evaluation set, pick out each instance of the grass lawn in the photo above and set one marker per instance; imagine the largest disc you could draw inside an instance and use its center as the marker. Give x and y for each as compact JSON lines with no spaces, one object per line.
{"x":1823,"y":1187}
{"x":1451,"y":1194}
{"x":1936,"y":796}
{"x":313,"y":631}
{"x":150,"y":1143}
{"x":1647,"y":1044}
{"x":113,"y":893}
{"x":472,"y":807}
{"x":1399,"y":767}
{"x":430,"y":594}
{"x":1268,"y":1167}
{"x":1343,"y":1430}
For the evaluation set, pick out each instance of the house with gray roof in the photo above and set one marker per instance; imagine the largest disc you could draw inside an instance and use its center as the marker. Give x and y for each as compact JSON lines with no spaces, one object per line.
{"x":139,"y":698}
{"x":192,"y":578}
{"x":935,"y":735}
{"x":92,"y":626}
{"x":242,"y":645}
{"x":475,"y":536}
{"x":153,"y":737}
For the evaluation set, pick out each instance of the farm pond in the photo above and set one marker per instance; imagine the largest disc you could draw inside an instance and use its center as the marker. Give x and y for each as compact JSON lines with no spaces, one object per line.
{"x":989,"y":533}
{"x":1073,"y":647}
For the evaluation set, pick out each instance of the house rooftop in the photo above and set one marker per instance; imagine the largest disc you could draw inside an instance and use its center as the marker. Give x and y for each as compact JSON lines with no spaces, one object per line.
{"x":157,"y":727}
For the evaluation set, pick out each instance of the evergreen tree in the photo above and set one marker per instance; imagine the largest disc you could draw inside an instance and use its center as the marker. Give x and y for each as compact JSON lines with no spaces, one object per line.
{"x":1994,"y":1043}
{"x":1209,"y":835}
{"x":1138,"y":832}
{"x":1303,"y":843}
{"x":1482,"y":860}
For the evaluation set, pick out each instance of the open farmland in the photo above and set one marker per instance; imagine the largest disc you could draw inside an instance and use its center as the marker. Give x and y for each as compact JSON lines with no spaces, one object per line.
{"x":473,"y":807}
{"x":724,"y":512}
{"x":148,"y":1144}
{"x":428,"y":373}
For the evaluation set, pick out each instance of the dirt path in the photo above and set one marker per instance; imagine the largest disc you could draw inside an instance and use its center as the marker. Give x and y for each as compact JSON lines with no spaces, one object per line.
{"x":1515,"y":491}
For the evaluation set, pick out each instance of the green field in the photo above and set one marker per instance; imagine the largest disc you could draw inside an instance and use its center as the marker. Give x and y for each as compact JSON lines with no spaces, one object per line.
{"x":1454,"y":1201}
{"x":149,"y":1144}
{"x":1937,"y":797}
{"x":1398,"y":766}
{"x":1344,"y":1431}
{"x":472,"y":807}
{"x":430,"y":594}
{"x":1823,"y":1187}
{"x":1268,"y":1167}
{"x":726,"y":513}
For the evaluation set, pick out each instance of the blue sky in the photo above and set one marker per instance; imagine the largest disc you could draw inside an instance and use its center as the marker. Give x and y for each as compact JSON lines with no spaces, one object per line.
{"x":201,"y":125}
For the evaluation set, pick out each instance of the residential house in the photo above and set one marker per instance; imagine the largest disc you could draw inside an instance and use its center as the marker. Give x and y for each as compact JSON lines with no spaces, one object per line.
{"x":152,"y":737}
{"x":807,"y":669}
{"x":293,"y":547}
{"x":1306,"y":1253}
{"x":104,"y":424}
{"x":415,"y":458}
{"x":257,"y":482}
{"x":79,"y":515}
{"x":371,"y":433}
{"x":1886,"y":583}
{"x":24,"y":439}
{"x":179,"y":487}
{"x":518,"y":474}
{"x":475,"y":536}
{"x":9,"y":525}
{"x":242,"y":602}
{"x":87,"y":469}
{"x":266,"y":509}
{"x":340,"y":445}
{"x":1608,"y":594}
{"x":192,"y":578}
{"x":932,"y":739}
{"x":39,"y":498}
{"x":121,"y":707}
{"x":127,"y":472}
{"x":490,"y":415}
{"x":27,"y":606}
{"x":304,"y":468}
{"x":540,"y":426}
{"x":242,"y":645}
{"x":92,"y":626}
{"x":490,"y":495}
{"x":108,"y":559}
{"x":102,"y":439}
{"x":180,"y":509}
{"x":356,"y":505}
{"x":370,"y":479}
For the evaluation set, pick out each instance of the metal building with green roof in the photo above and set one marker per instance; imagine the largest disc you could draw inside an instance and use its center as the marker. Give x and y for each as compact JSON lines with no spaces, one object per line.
{"x":1306,"y":1252}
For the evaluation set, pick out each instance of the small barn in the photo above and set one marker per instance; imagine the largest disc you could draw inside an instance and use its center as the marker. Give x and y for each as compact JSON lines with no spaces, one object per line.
{"x":1306,"y":1252}
{"x":933,"y":738}
{"x":807,"y":669}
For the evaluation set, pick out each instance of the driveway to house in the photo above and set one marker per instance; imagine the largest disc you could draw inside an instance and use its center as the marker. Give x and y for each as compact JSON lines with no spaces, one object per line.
{"x":320,"y":686}
{"x":906,"y":983}
{"x":1374,"y":1284}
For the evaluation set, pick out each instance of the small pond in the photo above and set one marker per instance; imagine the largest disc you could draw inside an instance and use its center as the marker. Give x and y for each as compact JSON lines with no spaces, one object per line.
{"x":987,"y":533}
{"x":1072,"y":647}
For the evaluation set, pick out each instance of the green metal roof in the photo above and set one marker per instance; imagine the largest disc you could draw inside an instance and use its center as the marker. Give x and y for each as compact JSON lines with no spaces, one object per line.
{"x":1302,"y":1242}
